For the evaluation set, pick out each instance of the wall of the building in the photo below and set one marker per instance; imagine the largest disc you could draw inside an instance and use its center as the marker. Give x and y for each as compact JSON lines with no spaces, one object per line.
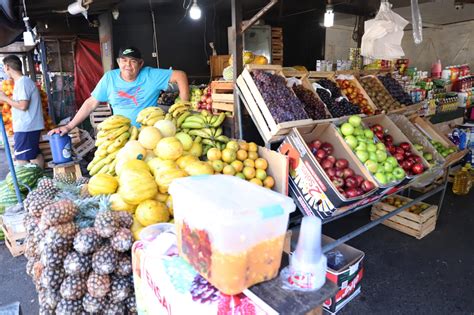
{"x":452,"y":44}
{"x":338,"y":43}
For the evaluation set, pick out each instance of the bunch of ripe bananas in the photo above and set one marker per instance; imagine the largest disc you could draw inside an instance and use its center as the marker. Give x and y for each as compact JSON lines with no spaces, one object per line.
{"x":114,"y":133}
{"x":150,"y":115}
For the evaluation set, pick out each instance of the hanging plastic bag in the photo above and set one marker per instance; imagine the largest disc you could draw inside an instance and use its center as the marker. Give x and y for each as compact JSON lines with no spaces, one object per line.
{"x":416,"y":22}
{"x":383,"y":36}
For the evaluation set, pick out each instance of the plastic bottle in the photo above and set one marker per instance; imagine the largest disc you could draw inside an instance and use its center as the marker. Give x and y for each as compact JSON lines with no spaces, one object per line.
{"x":436,"y":69}
{"x":462,"y":182}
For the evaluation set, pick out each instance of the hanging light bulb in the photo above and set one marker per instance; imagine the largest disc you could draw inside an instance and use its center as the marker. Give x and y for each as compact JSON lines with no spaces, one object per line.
{"x":329,"y":16}
{"x":195,"y":11}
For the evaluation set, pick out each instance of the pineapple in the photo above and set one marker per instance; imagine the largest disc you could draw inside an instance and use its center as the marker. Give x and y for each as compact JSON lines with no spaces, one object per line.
{"x":120,"y":289}
{"x":106,"y":223}
{"x":35,"y":203}
{"x":53,"y":257}
{"x":31,"y":223}
{"x":124,"y":266}
{"x":82,"y":181}
{"x":60,"y":236}
{"x":52,"y":298}
{"x":47,"y":184}
{"x":98,"y":285}
{"x":65,"y":179}
{"x":87,"y":241}
{"x":37,"y":271}
{"x":30,"y":267}
{"x":77,"y":264}
{"x":73,"y":288}
{"x":125,"y":219}
{"x":122,"y":241}
{"x":131,"y":304}
{"x":31,"y":248}
{"x":104,"y":260}
{"x":52,"y":278}
{"x":46,"y":310}
{"x":114,"y":309}
{"x":62,"y":211}
{"x":69,"y":307}
{"x":92,"y":304}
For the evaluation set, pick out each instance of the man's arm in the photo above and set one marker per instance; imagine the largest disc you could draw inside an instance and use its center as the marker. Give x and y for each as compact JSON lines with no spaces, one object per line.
{"x":21,"y":105}
{"x":86,"y":109}
{"x":181,"y":79}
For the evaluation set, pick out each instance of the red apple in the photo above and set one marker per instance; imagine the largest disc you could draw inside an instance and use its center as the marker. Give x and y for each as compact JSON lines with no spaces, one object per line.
{"x":407,"y":165}
{"x":331,"y":172}
{"x":352,"y":192}
{"x":331,"y":158}
{"x":418,"y":159}
{"x":377,"y":127}
{"x":359,"y":179}
{"x":388,"y":139}
{"x":379,"y":134}
{"x":405,"y":146}
{"x":326,"y":163}
{"x":399,"y":150}
{"x":203,"y":98}
{"x":351,"y":182}
{"x":342,"y":164}
{"x":314,"y":145}
{"x":321,"y":154}
{"x":338,"y":182}
{"x":327,"y":147}
{"x":209,"y":100}
{"x":418,"y":168}
{"x":339,"y":173}
{"x":407,"y":154}
{"x":367,"y":185}
{"x":348,"y":172}
{"x":398,"y":156}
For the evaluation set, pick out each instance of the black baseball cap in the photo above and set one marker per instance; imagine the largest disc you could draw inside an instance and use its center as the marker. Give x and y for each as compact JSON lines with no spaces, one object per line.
{"x":130,"y":52}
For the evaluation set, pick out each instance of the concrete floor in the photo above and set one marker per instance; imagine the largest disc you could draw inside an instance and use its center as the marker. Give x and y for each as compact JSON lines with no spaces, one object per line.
{"x":403,"y":275}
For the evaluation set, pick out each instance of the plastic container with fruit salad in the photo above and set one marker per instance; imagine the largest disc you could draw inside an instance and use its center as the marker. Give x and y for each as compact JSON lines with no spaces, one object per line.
{"x":231,"y":231}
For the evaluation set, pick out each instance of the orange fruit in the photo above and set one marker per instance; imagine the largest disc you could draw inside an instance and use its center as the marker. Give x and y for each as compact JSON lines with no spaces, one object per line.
{"x":242,"y":155}
{"x":240,"y":175}
{"x":243,"y":145}
{"x":233,"y":145}
{"x":260,"y":174}
{"x":261,"y":164}
{"x":214,"y":154}
{"x":253,"y":147}
{"x":249,"y":163}
{"x":269,"y":182}
{"x":238,"y":165}
{"x":249,"y":172}
{"x":256,"y":181}
{"x":229,"y":155}
{"x":228,"y":170}
{"x":253,"y":155}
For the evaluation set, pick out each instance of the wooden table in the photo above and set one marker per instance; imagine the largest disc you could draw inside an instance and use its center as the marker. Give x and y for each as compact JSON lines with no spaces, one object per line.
{"x":292,"y":302}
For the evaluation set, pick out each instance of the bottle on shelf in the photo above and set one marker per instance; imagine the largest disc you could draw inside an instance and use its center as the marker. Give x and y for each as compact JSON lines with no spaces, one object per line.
{"x":462,"y":182}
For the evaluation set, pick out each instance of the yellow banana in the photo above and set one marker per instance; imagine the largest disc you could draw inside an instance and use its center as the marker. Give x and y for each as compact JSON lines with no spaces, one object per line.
{"x":118,"y":133}
{"x":133,"y":133}
{"x":111,"y":157}
{"x":97,"y":167}
{"x":113,"y":122}
{"x":176,"y":106}
{"x":104,"y":169}
{"x":93,"y":162}
{"x":168,"y":116}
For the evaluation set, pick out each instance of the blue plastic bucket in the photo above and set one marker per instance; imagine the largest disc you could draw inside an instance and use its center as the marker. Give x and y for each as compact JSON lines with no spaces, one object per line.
{"x":60,"y":148}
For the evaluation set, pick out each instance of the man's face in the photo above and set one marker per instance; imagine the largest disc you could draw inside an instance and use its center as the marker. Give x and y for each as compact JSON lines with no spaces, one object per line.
{"x":129,"y":67}
{"x":7,"y":70}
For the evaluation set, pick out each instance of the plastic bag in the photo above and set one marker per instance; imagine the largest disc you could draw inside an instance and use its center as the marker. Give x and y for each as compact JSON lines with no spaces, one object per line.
{"x":336,"y":259}
{"x":416,"y":22}
{"x":383,"y":36}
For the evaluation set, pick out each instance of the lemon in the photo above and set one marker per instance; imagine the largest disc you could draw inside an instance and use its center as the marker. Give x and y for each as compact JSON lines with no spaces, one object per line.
{"x":151,"y":211}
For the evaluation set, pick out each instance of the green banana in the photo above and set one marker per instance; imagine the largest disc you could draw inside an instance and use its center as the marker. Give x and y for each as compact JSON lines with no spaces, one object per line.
{"x":196,"y":118}
{"x":198,"y":139}
{"x":192,"y":125}
{"x":199,"y":133}
{"x":223,"y":138}
{"x":182,"y":118}
{"x":219,"y":120}
{"x":209,"y":131}
{"x":213,"y":119}
{"x":218,"y":132}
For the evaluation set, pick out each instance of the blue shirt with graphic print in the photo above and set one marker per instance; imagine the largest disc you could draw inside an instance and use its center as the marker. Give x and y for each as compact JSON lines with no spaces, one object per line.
{"x":129,"y":98}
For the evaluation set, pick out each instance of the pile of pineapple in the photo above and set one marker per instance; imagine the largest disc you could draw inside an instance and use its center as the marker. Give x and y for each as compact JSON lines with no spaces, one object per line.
{"x":78,"y":251}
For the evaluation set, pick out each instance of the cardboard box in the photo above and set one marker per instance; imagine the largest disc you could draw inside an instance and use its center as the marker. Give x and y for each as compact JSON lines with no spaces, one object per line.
{"x":348,"y":278}
{"x":278,"y":165}
{"x":309,"y":185}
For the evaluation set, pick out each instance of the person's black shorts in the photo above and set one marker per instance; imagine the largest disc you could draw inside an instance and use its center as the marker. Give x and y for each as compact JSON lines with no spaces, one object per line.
{"x":26,"y":145}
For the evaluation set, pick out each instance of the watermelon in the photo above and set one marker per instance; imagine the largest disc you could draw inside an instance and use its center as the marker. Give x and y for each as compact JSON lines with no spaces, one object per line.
{"x":7,"y":197}
{"x":27,"y":176}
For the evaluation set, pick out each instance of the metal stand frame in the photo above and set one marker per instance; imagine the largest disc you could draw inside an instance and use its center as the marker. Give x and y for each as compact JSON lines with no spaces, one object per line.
{"x":8,"y":155}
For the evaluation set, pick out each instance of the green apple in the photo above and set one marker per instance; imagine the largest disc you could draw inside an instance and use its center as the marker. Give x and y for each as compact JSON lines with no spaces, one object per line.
{"x":358,"y":132}
{"x":387,"y":166}
{"x":371,"y":147}
{"x":351,"y":141}
{"x":369,"y":134}
{"x":392,"y":161}
{"x":428,"y":156}
{"x":373,"y":156}
{"x":390,"y":177}
{"x":371,"y":166}
{"x":355,"y":121}
{"x":398,"y":173}
{"x":419,"y":147}
{"x":347,"y":129}
{"x":381,"y":178}
{"x":362,"y":155}
{"x":381,"y":146}
{"x":381,"y":155}
{"x":361,"y":146}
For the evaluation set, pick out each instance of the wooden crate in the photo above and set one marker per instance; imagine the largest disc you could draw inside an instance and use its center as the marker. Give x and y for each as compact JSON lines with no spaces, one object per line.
{"x":269,"y":129}
{"x":85,"y":144}
{"x":222,"y":92}
{"x":277,"y":46}
{"x":416,"y":225}
{"x":218,"y":63}
{"x":99,"y":115}
{"x":15,"y":241}
{"x":438,"y":181}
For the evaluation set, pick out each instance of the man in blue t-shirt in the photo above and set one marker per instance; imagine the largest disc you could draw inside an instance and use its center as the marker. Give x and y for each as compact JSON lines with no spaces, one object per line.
{"x":27,"y":113}
{"x":129,"y":89}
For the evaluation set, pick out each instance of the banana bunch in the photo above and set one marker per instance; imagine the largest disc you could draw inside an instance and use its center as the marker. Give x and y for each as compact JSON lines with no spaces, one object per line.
{"x":114,"y":133}
{"x":206,"y":127}
{"x":150,"y":115}
{"x":178,"y":113}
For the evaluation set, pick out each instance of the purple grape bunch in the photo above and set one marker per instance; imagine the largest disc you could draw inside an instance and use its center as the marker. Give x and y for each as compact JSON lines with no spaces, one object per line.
{"x":312,"y":104}
{"x":203,"y":291}
{"x":335,"y":103}
{"x":281,"y":101}
{"x":395,"y":89}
